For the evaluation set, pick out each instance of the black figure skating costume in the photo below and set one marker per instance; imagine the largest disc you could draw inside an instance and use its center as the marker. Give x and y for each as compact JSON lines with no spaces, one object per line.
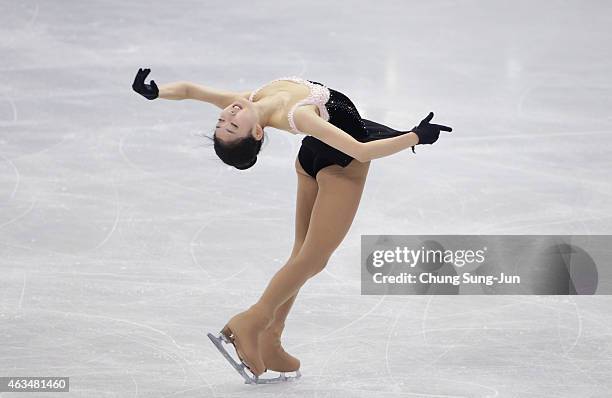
{"x":340,"y":111}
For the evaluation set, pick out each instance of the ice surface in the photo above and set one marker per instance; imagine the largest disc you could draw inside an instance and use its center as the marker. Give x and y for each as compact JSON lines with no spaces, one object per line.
{"x":123,"y":239}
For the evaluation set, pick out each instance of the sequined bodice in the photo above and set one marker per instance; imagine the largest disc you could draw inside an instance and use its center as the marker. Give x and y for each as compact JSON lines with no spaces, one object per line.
{"x":319,"y":95}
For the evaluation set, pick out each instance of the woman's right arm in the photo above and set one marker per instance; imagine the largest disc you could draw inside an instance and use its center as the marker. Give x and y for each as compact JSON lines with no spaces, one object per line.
{"x":184,"y":90}
{"x":388,"y":146}
{"x":188,"y":90}
{"x":173,"y":91}
{"x":220,"y":98}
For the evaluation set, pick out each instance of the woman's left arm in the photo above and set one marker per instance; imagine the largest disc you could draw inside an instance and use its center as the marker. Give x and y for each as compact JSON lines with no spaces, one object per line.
{"x":308,"y":122}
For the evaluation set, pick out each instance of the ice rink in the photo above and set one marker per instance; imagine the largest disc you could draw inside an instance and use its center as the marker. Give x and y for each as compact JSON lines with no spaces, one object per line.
{"x":124,"y":239}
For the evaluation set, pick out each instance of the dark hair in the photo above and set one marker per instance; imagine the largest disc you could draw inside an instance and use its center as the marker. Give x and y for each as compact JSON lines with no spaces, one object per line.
{"x":241,"y":153}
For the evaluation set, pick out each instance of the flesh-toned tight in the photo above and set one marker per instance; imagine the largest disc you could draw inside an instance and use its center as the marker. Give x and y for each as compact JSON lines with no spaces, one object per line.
{"x":337,"y":197}
{"x":333,"y":211}
{"x":306,"y":195}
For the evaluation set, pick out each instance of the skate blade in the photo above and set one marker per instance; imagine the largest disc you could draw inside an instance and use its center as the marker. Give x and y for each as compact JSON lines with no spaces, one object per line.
{"x":282,"y":378}
{"x":241,"y":367}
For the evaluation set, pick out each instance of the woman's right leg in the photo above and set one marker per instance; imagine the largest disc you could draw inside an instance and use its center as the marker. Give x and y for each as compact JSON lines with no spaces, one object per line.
{"x":273,"y":354}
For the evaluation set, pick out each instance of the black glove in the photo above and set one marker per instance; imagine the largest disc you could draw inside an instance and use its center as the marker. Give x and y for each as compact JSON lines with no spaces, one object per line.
{"x":428,"y":133}
{"x":149,"y":91}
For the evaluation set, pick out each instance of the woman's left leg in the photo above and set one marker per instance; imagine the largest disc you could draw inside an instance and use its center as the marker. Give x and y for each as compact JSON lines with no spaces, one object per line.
{"x":336,"y":204}
{"x":334,"y":209}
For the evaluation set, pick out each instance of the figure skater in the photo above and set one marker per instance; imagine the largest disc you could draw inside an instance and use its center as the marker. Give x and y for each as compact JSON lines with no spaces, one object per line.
{"x":332,"y":165}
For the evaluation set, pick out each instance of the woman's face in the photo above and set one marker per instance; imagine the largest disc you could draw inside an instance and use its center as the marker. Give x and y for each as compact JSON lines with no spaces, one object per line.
{"x":236,"y":121}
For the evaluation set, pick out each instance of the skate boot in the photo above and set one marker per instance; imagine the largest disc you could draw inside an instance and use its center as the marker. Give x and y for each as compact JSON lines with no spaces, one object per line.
{"x":243,"y":331}
{"x":275,"y":358}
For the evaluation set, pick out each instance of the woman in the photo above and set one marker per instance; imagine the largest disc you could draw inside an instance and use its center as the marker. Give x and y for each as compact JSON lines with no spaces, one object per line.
{"x":332,"y":165}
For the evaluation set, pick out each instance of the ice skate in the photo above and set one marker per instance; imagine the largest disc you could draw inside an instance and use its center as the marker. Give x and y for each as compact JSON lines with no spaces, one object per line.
{"x":283,"y":365}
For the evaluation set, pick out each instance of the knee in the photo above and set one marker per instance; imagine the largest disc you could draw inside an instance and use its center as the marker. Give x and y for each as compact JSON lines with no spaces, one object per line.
{"x":312,"y":264}
{"x":318,"y":266}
